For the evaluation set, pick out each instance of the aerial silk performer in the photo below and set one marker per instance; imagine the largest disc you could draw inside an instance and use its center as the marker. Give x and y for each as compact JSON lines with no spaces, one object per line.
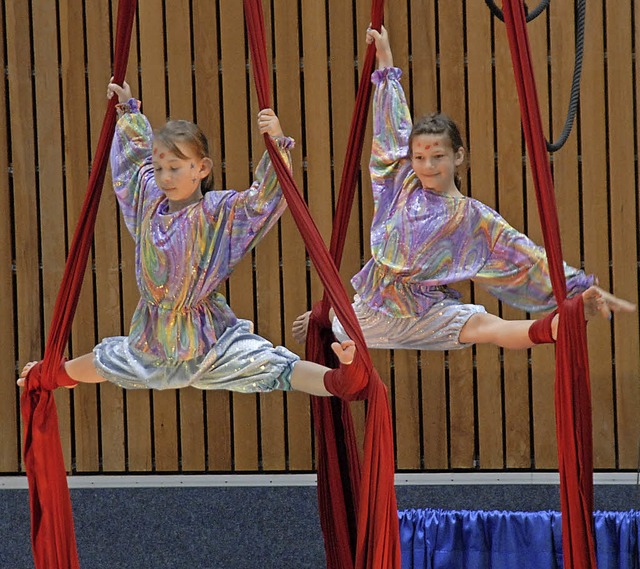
{"x":357,"y":501}
{"x":52,"y":532}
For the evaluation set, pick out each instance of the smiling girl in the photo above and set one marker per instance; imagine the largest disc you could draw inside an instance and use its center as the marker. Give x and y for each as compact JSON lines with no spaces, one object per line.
{"x":426,"y":235}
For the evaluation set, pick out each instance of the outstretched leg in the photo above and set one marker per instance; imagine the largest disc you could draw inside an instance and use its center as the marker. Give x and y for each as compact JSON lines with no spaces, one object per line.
{"x":80,"y":370}
{"x":514,"y":334}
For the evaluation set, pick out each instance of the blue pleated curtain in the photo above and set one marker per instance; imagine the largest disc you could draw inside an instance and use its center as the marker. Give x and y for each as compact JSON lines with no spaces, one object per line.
{"x":450,"y":539}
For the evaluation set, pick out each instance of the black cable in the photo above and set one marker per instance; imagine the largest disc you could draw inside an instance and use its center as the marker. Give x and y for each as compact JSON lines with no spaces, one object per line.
{"x":574,"y":97}
{"x":544,"y":4}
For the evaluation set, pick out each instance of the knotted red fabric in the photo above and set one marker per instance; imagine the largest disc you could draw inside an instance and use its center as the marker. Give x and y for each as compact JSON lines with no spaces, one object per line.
{"x":572,"y":388}
{"x":357,"y":503}
{"x":52,"y":533}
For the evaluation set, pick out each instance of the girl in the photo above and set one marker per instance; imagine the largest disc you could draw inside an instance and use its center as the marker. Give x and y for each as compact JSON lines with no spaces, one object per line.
{"x":426,"y":234}
{"x":188,"y":240}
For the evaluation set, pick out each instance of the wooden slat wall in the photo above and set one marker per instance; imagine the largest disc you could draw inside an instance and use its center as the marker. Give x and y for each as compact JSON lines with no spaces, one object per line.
{"x":478,"y":409}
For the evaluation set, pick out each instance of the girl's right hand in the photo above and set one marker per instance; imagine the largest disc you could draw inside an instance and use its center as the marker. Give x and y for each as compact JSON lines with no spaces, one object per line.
{"x":383,"y":49}
{"x":123,"y":92}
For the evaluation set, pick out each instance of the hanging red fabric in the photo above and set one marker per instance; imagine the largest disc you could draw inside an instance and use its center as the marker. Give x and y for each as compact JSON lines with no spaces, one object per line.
{"x":374,"y":509}
{"x":52,"y":533}
{"x":573,"y":392}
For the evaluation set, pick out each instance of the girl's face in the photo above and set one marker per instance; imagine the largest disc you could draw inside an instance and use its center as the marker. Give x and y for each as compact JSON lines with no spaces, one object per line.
{"x":179,"y":178}
{"x":435,"y":162}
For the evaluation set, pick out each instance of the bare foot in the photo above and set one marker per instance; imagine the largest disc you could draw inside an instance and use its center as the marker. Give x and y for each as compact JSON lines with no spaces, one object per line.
{"x":24,"y":372}
{"x":597,"y":301}
{"x":300,"y":326}
{"x":345,"y":351}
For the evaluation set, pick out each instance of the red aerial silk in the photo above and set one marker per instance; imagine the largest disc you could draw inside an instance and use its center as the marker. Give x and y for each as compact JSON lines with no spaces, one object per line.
{"x":573,"y":391}
{"x":357,"y":503}
{"x":52,"y":532}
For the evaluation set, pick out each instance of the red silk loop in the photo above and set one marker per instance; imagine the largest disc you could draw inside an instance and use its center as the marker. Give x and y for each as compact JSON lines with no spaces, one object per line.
{"x":540,"y":331}
{"x":38,"y":379}
{"x":348,"y":382}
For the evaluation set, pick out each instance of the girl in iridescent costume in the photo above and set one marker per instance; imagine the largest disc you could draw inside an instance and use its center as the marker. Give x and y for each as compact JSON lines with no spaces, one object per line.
{"x":188,"y":240}
{"x":426,"y":235}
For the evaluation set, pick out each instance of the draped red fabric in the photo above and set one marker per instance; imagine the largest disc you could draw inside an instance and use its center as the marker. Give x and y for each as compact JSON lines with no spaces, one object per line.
{"x":573,"y":392}
{"x":52,"y":532}
{"x":376,"y":543}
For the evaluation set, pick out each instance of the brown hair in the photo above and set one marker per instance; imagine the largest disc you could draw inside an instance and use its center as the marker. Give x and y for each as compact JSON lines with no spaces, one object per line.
{"x":438,"y":123}
{"x":176,"y":131}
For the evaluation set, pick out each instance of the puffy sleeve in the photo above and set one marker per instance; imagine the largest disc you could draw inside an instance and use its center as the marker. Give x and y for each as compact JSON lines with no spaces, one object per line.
{"x":517,"y":271}
{"x":250,"y":214}
{"x":391,"y":129}
{"x":131,"y":168}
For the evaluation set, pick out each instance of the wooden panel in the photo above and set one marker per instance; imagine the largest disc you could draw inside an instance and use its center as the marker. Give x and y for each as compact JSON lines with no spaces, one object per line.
{"x":475,"y":408}
{"x":268,"y":294}
{"x":209,"y":118}
{"x":292,"y":251}
{"x":482,"y":179}
{"x":460,"y":363}
{"x":421,"y":85}
{"x":238,"y":175}
{"x":27,"y":321}
{"x":9,"y":422}
{"x":623,"y":215}
{"x":595,"y":214}
{"x":510,"y":202}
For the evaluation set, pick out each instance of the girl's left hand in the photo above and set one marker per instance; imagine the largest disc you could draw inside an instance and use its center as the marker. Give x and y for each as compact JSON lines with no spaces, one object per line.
{"x":268,"y":123}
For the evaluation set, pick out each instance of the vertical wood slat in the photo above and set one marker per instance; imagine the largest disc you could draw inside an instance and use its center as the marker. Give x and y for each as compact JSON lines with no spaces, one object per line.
{"x":137,"y":404}
{"x":10,"y":440}
{"x":238,"y":176}
{"x":293,"y":254}
{"x":106,"y":271}
{"x":268,"y":295}
{"x":596,"y":250}
{"x":460,"y":368}
{"x":510,"y":205}
{"x":209,"y":113}
{"x":481,"y":160}
{"x":23,"y":185}
{"x":50,"y":176}
{"x":595,"y":214}
{"x":423,"y":81}
{"x":432,"y":393}
{"x":623,"y":215}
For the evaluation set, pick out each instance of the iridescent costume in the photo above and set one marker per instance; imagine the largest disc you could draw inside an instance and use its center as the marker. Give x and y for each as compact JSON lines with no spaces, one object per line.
{"x":423,"y":241}
{"x":183,"y":332}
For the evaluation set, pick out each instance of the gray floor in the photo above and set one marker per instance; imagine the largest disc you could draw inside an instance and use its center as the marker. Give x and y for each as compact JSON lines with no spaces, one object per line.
{"x":239,"y":528}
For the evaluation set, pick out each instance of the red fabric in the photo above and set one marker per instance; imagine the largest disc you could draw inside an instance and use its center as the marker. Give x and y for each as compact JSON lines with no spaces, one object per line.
{"x":540,"y":331}
{"x":573,"y":392}
{"x":52,"y":532}
{"x":372,"y":513}
{"x":348,"y":382}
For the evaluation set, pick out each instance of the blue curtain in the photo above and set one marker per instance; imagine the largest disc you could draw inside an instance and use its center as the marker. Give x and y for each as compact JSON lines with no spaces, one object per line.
{"x":447,"y":539}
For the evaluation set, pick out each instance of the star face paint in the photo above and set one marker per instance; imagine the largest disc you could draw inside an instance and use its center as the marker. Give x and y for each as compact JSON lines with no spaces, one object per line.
{"x":435,"y":162}
{"x":177,"y":177}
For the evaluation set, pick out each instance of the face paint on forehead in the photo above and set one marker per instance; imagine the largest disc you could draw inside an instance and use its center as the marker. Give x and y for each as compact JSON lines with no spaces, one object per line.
{"x":155,"y":151}
{"x":162,"y":155}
